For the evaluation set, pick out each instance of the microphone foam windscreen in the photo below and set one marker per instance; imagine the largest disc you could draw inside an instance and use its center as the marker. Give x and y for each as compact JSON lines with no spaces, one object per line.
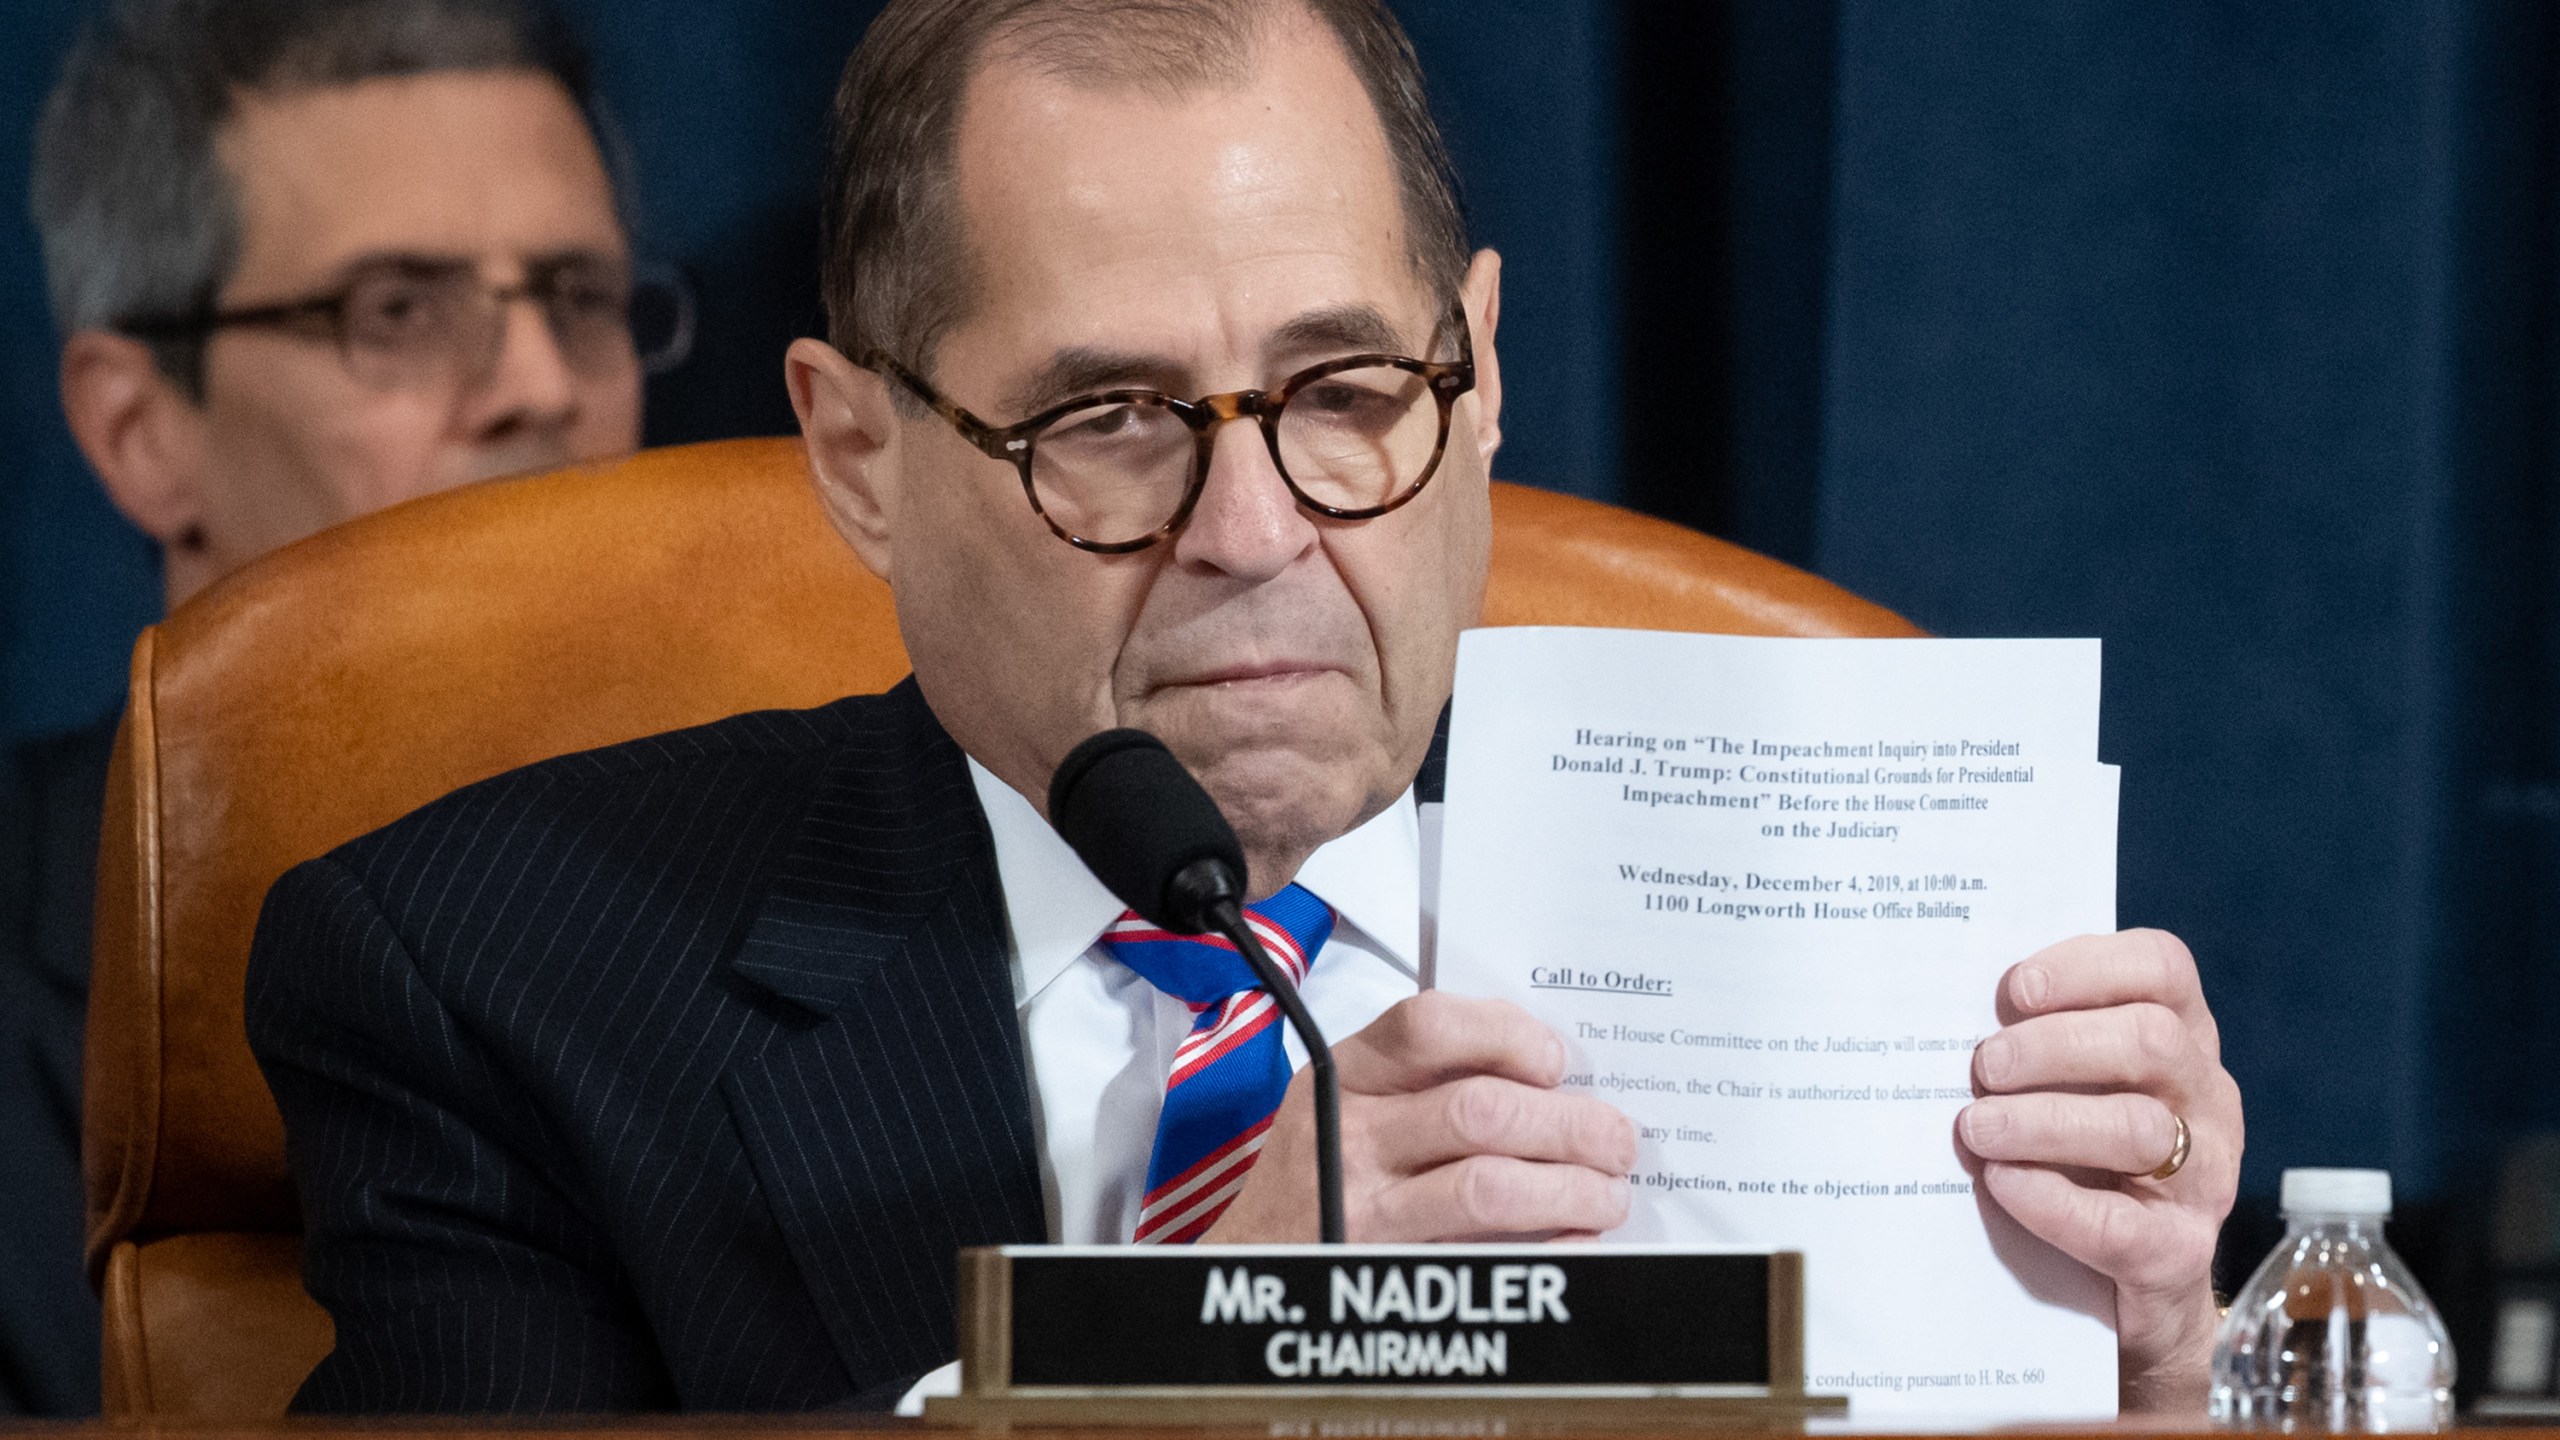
{"x":1136,"y":817}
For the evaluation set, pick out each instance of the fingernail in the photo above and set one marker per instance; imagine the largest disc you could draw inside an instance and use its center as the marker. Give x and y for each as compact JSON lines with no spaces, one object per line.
{"x":2033,"y":986}
{"x":1983,"y":1124}
{"x":1555,"y":1055}
{"x":1992,"y":1058}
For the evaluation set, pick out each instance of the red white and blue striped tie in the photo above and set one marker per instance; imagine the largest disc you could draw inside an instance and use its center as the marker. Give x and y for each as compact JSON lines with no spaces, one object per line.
{"x":1230,"y":1071}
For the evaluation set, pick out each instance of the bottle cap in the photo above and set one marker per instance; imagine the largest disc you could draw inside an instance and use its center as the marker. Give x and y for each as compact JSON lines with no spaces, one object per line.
{"x":2337,"y":1192}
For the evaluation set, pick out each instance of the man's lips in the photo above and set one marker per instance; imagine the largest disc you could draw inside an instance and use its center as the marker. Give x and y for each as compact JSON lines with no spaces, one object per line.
{"x":1259,"y":672}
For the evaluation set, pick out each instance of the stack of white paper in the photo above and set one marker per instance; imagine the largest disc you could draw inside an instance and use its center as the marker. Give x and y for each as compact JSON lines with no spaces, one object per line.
{"x":1765,"y":889}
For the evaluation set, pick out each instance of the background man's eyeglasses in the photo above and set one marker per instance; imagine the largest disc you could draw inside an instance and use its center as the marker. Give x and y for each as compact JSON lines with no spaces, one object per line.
{"x":407,"y":323}
{"x":1352,"y":439}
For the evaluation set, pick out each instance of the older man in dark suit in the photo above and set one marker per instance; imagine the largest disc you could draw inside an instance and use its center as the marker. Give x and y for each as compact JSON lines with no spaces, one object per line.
{"x":1162,"y":390}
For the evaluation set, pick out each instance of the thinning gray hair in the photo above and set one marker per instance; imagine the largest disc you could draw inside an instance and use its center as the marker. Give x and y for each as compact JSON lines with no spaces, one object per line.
{"x":895,"y":269}
{"x":136,"y":213}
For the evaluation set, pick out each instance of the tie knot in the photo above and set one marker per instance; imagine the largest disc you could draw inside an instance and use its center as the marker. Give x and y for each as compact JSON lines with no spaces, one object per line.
{"x":1205,"y":969}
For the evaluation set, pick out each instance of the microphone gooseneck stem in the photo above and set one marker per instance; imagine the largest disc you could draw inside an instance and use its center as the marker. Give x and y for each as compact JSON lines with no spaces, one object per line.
{"x":1228,"y":917}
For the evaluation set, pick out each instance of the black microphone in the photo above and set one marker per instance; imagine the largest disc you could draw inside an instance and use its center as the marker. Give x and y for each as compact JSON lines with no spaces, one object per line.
{"x":1146,"y":829}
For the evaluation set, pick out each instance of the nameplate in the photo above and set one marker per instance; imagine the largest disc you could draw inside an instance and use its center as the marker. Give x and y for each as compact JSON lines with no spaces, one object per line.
{"x":1636,"y":1320}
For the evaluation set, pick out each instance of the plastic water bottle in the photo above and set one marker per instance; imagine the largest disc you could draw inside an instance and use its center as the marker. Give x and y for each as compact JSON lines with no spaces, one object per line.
{"x":2332,"y":1333}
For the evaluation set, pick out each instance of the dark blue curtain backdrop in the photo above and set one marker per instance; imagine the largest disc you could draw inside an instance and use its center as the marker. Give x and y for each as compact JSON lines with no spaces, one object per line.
{"x":2223,"y":332}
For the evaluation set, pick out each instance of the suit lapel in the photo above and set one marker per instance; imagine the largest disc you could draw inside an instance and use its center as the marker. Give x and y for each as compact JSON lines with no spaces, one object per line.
{"x":889,"y":1121}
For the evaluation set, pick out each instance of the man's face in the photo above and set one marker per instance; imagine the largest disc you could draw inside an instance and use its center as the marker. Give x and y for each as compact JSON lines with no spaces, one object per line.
{"x":493,"y":170}
{"x":1218,"y":241}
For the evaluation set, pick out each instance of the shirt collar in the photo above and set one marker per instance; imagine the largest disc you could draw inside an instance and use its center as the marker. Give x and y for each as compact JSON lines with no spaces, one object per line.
{"x":1372,"y":878}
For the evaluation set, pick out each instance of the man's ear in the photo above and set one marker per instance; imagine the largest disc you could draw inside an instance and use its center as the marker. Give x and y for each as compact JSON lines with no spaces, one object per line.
{"x":851,"y":433}
{"x":142,"y":435}
{"x":1482,"y":296}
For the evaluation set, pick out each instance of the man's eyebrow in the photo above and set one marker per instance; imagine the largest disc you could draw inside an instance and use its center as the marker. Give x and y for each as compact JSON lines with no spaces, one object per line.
{"x":1336,"y":330}
{"x":565,"y":257}
{"x":1084,"y":370}
{"x":422,"y":262}
{"x":433,"y":262}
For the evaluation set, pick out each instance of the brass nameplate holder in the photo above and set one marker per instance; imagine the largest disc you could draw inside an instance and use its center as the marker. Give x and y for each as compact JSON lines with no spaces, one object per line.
{"x":1512,"y":1337}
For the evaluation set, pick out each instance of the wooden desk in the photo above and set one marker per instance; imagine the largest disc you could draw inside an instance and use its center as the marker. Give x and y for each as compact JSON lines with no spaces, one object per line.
{"x":700,"y":1427}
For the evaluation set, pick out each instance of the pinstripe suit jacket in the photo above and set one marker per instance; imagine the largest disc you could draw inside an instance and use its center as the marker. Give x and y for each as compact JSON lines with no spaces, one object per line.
{"x":667,"y":1075}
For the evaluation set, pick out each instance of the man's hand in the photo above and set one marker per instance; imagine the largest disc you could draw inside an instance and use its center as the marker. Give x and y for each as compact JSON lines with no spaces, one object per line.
{"x":1452,"y":1129}
{"x":2105,"y":1044}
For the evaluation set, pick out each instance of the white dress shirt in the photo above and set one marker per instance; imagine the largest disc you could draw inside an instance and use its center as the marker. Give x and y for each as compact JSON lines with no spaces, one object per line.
{"x":1100,"y":1039}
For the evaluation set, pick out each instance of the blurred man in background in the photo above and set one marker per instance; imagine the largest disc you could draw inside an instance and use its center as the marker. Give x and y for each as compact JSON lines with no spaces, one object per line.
{"x":308,"y":258}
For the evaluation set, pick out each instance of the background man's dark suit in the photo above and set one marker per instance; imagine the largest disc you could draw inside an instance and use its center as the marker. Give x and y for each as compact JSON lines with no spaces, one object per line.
{"x":51,"y":791}
{"x":720,"y":1027}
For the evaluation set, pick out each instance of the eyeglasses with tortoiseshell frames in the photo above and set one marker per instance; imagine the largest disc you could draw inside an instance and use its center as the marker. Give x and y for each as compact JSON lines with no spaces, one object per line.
{"x":1117,"y":471}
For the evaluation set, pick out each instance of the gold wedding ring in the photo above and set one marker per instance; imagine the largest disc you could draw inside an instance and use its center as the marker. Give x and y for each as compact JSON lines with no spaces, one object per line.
{"x":2177,"y":1153}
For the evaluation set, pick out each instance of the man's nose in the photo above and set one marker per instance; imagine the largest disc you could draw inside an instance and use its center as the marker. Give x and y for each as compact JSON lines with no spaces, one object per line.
{"x":1246,"y":523}
{"x":527,"y":385}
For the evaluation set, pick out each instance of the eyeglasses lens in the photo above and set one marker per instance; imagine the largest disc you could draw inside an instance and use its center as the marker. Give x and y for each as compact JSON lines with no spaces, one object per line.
{"x":589,"y":307}
{"x":1355,"y":439}
{"x":1115,"y":472}
{"x":403,"y":329}
{"x":661,"y":318}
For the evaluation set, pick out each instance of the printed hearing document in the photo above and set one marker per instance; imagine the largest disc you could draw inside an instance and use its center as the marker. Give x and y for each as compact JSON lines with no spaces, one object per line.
{"x":1765,"y":889}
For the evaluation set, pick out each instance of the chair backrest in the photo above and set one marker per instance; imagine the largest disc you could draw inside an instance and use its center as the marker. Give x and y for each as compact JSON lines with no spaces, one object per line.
{"x":348,"y":679}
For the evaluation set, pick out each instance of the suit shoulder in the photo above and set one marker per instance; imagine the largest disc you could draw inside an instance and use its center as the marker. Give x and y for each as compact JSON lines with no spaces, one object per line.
{"x":658,"y":796}
{"x":783,"y":737}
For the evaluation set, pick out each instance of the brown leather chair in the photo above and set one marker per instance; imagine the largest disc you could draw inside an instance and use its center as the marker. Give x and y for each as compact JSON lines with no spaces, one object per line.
{"x":350,"y":678}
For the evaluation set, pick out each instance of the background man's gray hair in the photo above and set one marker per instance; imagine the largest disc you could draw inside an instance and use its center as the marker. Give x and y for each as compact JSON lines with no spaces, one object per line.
{"x":137,"y":217}
{"x":894,"y":270}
